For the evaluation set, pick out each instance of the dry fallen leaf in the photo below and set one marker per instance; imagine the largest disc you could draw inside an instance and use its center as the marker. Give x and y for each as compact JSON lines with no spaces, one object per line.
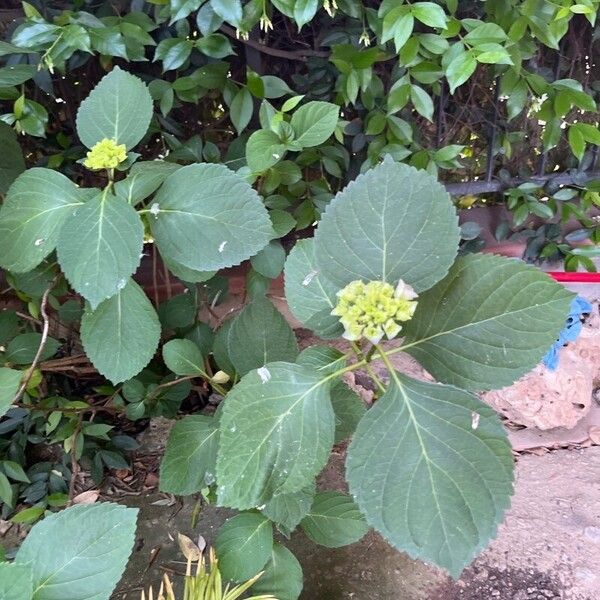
{"x":189,"y":549}
{"x":88,"y":497}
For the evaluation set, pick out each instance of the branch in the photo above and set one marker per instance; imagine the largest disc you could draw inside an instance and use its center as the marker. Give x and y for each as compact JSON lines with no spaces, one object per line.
{"x":43,"y":341}
{"x":300,"y":55}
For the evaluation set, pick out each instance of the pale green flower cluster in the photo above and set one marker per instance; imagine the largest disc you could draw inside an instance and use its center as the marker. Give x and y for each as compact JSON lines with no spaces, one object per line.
{"x":372,"y":310}
{"x":106,"y":154}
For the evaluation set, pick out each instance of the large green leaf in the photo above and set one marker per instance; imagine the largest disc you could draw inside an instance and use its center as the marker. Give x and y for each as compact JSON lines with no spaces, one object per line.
{"x":10,"y":380}
{"x":206,"y":217}
{"x":310,"y":295}
{"x":87,"y":555}
{"x":36,"y":206}
{"x":431,"y":468}
{"x":287,"y":510}
{"x":488,"y":322}
{"x":22,"y":349}
{"x":15,"y":582}
{"x":277,"y":431}
{"x":144,"y":179}
{"x":263,"y":150}
{"x":334,"y":520}
{"x":244,"y":545}
{"x":282,"y":577}
{"x":12,"y":163}
{"x":99,"y":247}
{"x":122,"y":334}
{"x":259,"y":335}
{"x":190,"y":457}
{"x":314,"y":123}
{"x":119,"y":108}
{"x":391,"y":223}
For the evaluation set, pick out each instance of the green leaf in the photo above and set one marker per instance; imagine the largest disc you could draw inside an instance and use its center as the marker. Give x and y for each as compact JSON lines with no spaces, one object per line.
{"x":190,"y":457}
{"x":215,"y":45}
{"x":270,"y":260}
{"x":334,"y":520}
{"x":412,"y":233}
{"x":403,"y":31}
{"x":99,"y":247}
{"x":118,"y":108}
{"x":122,"y":334}
{"x":144,"y":179}
{"x":259,"y":335}
{"x":22,"y":349}
{"x":304,"y":11}
{"x":186,"y":274}
{"x":287,"y":510}
{"x":10,"y":380}
{"x":173,"y":52}
{"x":206,"y":217}
{"x":14,"y":471}
{"x":6,"y":491}
{"x":263,"y":150}
{"x":519,"y":312}
{"x":431,"y":468}
{"x":422,"y":101}
{"x":241,"y":109}
{"x":183,"y":357}
{"x":15,"y":582}
{"x":282,"y":577}
{"x":244,"y":544}
{"x":486,"y":33}
{"x":429,"y":13}
{"x":35,"y":209}
{"x":460,"y":69}
{"x":314,"y":123}
{"x":16,"y":74}
{"x":349,"y":409}
{"x":89,"y":550}
{"x":12,"y":163}
{"x":277,"y":431}
{"x":228,"y":10}
{"x":310,"y":295}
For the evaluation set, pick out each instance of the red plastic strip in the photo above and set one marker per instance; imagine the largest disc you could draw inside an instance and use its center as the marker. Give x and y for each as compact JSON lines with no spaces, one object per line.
{"x":575,"y":277}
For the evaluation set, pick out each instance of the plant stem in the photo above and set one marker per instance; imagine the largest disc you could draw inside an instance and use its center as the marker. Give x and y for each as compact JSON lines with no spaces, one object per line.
{"x":360,"y":354}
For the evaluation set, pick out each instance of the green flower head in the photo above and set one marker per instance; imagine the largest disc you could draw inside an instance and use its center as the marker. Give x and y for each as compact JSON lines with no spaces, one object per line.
{"x":106,"y":154}
{"x":372,"y":310}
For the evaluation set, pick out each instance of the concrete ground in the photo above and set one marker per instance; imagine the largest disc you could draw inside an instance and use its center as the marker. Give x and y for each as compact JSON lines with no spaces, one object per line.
{"x":547,"y":548}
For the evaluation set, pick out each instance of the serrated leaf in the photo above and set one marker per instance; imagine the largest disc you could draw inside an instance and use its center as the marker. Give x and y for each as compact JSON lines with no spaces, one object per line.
{"x":183,"y":357}
{"x":36,"y":206}
{"x":334,"y":520}
{"x":144,"y":179}
{"x":190,"y":457}
{"x":314,"y":123}
{"x":349,"y":409}
{"x":430,"y":481}
{"x":277,"y":431}
{"x":270,"y":260}
{"x":325,"y":359}
{"x":118,"y":108}
{"x":263,"y":150}
{"x":208,"y":218}
{"x":122,"y":334}
{"x":10,"y":380}
{"x":15,"y":582}
{"x":519,"y":312}
{"x":412,"y":234}
{"x":89,"y":551}
{"x":244,"y":544}
{"x":259,"y":335}
{"x":99,"y":247}
{"x":310,"y":295}
{"x":287,"y":510}
{"x":282,"y":577}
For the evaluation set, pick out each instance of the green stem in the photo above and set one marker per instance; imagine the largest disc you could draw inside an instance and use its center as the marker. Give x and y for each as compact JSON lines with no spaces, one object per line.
{"x":359,"y":353}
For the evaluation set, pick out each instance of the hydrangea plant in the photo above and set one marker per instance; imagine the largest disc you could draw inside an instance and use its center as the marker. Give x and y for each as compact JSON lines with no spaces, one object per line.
{"x":429,"y":465}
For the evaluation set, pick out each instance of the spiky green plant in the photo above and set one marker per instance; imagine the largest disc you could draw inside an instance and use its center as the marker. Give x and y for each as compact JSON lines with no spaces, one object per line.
{"x":204,"y":582}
